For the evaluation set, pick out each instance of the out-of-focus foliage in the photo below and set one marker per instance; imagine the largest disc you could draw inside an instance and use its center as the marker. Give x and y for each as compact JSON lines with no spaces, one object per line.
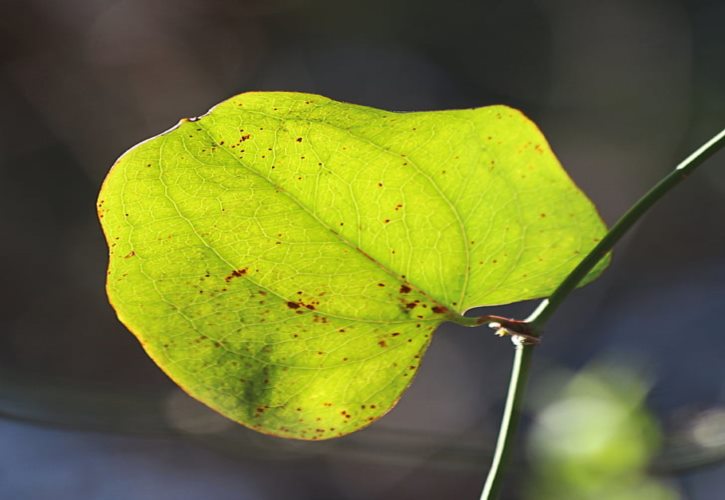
{"x":594,"y":439}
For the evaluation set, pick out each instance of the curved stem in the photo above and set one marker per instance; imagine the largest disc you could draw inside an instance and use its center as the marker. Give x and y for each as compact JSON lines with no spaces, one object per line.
{"x":546,"y":308}
{"x":625,"y":223}
{"x":511,"y":414}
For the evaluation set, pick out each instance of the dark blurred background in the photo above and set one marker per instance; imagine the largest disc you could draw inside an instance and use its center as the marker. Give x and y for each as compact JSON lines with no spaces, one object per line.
{"x":623,"y":90}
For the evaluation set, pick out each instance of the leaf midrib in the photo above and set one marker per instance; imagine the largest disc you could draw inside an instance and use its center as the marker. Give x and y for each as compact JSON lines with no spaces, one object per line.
{"x":163,"y":138}
{"x":453,"y":208}
{"x":362,"y":253}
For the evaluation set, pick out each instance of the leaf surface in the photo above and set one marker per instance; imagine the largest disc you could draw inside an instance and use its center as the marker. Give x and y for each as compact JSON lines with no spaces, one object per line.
{"x":286,"y":258}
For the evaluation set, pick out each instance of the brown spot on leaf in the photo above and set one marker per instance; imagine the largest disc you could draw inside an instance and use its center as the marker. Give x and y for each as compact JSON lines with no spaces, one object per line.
{"x":404,"y":289}
{"x":440,"y":309}
{"x":382,"y":343}
{"x":293,"y":305}
{"x":235,"y":274}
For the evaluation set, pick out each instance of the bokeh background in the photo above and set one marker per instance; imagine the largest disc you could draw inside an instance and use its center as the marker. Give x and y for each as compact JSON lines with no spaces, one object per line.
{"x":627,"y":397}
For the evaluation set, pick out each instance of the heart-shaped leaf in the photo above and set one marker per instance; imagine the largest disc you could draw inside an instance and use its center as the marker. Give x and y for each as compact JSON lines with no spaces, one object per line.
{"x":286,"y":258}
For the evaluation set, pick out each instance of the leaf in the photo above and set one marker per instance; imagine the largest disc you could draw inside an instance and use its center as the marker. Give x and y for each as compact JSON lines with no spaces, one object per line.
{"x":286,"y":258}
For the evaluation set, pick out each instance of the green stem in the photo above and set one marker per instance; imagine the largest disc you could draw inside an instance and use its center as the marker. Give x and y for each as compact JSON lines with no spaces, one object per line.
{"x":546,"y":309}
{"x":512,"y":410}
{"x":511,"y":413}
{"x":625,"y":223}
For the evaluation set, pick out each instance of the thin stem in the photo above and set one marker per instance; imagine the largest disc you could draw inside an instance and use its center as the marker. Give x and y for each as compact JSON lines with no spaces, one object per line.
{"x":511,"y":414}
{"x":625,"y":223}
{"x":535,"y":322}
{"x":512,"y":410}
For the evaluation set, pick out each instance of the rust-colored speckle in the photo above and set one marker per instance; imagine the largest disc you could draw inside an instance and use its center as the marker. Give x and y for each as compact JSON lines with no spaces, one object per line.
{"x":440,"y":309}
{"x":382,"y":343}
{"x":129,"y":254}
{"x":293,"y":305}
{"x":235,"y":274}
{"x":404,"y":289}
{"x":299,"y":139}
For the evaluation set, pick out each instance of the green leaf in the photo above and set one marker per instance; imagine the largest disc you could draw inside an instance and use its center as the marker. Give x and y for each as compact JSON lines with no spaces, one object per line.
{"x":286,"y":258}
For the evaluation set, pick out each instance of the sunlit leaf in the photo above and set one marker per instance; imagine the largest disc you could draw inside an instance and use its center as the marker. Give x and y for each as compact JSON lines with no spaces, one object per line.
{"x":286,"y":258}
